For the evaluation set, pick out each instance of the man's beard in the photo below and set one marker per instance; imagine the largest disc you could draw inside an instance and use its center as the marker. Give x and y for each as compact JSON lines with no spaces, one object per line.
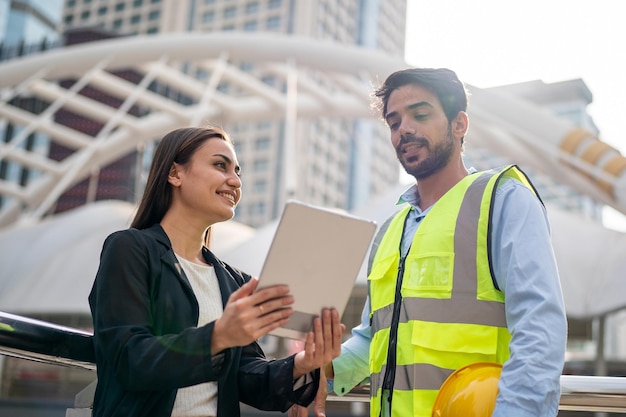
{"x":437,"y":158}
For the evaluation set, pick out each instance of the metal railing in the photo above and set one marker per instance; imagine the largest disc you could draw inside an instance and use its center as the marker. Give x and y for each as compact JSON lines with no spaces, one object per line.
{"x":41,"y":341}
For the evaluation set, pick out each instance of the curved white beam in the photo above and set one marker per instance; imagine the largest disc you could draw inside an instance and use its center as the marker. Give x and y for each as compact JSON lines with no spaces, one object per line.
{"x":333,"y":80}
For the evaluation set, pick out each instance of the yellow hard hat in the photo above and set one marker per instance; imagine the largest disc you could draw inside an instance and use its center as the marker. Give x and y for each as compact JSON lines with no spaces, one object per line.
{"x":469,"y":391}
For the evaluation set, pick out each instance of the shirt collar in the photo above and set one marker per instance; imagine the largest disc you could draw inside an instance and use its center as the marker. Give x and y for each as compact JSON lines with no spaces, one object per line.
{"x":412,"y":196}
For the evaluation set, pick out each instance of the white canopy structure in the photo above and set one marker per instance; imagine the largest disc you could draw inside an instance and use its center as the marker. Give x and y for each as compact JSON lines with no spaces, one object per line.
{"x":325,"y":79}
{"x":49,"y":266}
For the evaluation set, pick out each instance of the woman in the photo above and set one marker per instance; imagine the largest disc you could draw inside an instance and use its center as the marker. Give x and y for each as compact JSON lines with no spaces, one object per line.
{"x":174,"y":327}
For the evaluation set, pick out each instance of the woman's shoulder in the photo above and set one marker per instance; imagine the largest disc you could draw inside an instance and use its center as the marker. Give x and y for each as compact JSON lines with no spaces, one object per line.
{"x":151,"y":237}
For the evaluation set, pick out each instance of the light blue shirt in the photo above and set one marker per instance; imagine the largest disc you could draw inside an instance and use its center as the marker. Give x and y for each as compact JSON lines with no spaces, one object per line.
{"x":526,"y":272}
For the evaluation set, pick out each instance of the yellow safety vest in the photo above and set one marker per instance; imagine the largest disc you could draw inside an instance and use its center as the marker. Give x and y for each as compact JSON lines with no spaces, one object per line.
{"x":449,"y":311}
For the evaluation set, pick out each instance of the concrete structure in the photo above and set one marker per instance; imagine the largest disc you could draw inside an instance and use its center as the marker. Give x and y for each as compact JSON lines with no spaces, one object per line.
{"x":552,"y":146}
{"x":338,"y":162}
{"x":285,"y":89}
{"x":568,"y":100}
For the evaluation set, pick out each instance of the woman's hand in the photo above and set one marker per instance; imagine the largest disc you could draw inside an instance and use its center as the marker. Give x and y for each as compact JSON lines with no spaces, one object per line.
{"x":249,"y":315}
{"x":322,"y":345}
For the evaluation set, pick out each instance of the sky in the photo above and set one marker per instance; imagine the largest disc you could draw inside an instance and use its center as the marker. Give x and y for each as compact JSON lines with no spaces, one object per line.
{"x":496,"y":42}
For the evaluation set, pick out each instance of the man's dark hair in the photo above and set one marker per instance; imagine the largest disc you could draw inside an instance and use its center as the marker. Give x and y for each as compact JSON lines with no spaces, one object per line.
{"x":442,"y":82}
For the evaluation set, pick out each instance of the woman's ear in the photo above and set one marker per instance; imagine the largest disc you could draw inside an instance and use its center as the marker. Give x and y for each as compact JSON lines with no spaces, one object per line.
{"x":460,"y":124}
{"x":173,"y":176}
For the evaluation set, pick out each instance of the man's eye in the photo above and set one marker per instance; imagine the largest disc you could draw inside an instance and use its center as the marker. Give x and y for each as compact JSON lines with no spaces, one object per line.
{"x":421,"y":116}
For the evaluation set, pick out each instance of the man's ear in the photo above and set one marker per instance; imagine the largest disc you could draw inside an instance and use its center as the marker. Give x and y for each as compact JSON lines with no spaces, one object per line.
{"x":460,"y":124}
{"x":173,"y":176}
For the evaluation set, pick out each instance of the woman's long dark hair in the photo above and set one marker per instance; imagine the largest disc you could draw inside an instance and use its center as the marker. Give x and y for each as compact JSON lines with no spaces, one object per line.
{"x":177,"y":146}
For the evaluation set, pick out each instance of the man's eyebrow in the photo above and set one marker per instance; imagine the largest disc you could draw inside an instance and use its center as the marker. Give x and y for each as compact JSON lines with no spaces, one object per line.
{"x":410,"y":107}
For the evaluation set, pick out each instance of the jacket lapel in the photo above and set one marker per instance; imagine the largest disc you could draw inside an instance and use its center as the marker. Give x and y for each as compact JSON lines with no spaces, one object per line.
{"x":167,"y":256}
{"x":227,"y":283}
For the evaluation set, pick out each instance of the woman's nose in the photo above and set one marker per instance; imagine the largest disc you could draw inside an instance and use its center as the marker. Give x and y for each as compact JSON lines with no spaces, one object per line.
{"x":234,"y":180}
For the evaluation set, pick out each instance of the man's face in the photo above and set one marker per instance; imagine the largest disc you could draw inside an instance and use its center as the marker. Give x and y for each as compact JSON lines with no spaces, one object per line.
{"x":420,"y":131}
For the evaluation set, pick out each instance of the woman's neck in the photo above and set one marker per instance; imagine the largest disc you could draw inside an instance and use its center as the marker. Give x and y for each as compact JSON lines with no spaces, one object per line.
{"x":185,"y":237}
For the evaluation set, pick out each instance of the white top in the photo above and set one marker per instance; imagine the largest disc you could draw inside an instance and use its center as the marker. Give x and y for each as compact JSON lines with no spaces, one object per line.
{"x":200,"y":400}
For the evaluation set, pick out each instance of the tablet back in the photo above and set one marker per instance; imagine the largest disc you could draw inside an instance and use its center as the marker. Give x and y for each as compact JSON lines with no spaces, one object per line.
{"x":318,"y":252}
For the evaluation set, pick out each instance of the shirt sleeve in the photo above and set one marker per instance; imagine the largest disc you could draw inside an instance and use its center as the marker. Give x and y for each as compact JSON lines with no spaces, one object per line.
{"x":526,"y":271}
{"x":351,"y":367}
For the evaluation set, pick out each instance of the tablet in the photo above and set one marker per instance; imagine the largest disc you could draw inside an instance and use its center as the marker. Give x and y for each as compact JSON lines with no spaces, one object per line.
{"x":318,"y":252}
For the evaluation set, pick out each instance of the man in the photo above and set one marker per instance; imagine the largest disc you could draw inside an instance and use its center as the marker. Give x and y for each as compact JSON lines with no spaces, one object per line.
{"x":463,"y":273}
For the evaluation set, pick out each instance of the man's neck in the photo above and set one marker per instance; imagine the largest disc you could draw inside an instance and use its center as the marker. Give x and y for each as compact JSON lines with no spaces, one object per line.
{"x":431,"y":189}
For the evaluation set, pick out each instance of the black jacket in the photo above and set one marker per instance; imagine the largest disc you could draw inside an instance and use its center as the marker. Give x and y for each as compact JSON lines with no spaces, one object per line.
{"x":147,"y":344}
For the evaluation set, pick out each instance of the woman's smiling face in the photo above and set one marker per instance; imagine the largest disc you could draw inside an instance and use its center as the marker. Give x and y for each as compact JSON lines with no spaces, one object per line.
{"x":209,"y":184}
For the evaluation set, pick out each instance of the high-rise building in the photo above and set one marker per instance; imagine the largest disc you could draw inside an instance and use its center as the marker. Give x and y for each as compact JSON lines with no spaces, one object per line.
{"x":327,"y":161}
{"x":29,"y":22}
{"x":26,"y":26}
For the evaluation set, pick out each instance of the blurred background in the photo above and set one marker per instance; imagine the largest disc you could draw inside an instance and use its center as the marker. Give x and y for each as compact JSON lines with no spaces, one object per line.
{"x":87,"y":88}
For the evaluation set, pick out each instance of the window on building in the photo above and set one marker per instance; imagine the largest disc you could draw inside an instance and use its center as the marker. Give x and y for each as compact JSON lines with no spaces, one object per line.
{"x":273,"y":22}
{"x":154,"y":15}
{"x":152,"y":30}
{"x":208,"y":17}
{"x":209,"y":1}
{"x":252,"y":7}
{"x":274,"y":4}
{"x":251,"y":26}
{"x":262,"y":144}
{"x":135,"y":19}
{"x":117,"y":24}
{"x":102,"y":11}
{"x":69,"y":19}
{"x":137,"y":3}
{"x":120,"y":6}
{"x":263,"y":124}
{"x":85,"y":15}
{"x":261,"y":165}
{"x":202,"y":74}
{"x":71,"y":3}
{"x":230,"y":12}
{"x":246,"y":66}
{"x":269,"y":80}
{"x":258,"y":209}
{"x":260,"y":186}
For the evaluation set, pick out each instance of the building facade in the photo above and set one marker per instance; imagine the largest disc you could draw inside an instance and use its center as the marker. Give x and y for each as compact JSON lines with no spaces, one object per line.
{"x":334,"y":162}
{"x":26,"y":26}
{"x":29,"y":22}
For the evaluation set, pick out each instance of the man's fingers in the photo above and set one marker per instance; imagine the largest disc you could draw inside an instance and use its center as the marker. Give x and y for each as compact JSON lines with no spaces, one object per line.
{"x":297,"y":411}
{"x":319,"y":405}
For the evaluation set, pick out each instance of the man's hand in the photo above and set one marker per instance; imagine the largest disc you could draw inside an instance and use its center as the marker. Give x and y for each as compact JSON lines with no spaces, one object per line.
{"x":322,"y":345}
{"x":319,"y":405}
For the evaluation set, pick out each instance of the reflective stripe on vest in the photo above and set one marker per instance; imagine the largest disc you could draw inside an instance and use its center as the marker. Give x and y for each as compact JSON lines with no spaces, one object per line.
{"x":440,"y":329}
